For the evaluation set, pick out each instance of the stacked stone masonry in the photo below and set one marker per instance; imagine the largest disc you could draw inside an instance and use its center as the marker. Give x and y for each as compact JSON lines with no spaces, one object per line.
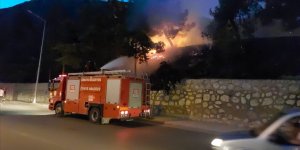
{"x":245,"y":101}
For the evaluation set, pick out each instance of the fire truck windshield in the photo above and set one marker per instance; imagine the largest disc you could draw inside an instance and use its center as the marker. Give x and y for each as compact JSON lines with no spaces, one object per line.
{"x":53,"y":85}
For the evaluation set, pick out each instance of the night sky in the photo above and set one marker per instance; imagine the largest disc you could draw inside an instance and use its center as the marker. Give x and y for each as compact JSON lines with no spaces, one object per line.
{"x":10,"y":3}
{"x":203,"y":5}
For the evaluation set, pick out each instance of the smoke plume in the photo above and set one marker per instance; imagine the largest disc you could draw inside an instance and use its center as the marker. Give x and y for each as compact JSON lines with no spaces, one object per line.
{"x":177,"y":23}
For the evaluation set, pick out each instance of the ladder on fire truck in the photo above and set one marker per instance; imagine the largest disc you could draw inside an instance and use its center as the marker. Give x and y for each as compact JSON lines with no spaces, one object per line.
{"x":148,"y":89}
{"x":102,"y":72}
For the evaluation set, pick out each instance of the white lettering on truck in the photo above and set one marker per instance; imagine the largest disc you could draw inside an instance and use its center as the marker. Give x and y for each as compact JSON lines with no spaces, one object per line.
{"x":90,"y":88}
{"x":91,"y":79}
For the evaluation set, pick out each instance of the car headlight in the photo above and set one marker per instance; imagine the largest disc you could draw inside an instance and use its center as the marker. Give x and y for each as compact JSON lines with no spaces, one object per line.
{"x":217,"y":142}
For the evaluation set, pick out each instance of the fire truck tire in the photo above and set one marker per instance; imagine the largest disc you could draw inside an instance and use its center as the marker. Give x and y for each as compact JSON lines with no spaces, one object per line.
{"x":59,"y":110}
{"x":95,"y":115}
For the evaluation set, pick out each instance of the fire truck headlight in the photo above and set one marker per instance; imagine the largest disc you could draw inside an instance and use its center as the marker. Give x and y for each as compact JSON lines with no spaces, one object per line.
{"x":122,"y":112}
{"x":126,"y":112}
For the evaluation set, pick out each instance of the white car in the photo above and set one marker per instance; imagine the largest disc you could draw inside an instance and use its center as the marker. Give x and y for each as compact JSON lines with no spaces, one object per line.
{"x":281,"y":133}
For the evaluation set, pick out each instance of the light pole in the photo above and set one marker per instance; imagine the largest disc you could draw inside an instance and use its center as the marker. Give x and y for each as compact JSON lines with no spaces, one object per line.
{"x":41,"y":52}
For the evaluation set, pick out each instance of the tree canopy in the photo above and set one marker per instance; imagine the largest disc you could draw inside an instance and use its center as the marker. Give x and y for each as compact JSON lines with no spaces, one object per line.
{"x":236,"y":21}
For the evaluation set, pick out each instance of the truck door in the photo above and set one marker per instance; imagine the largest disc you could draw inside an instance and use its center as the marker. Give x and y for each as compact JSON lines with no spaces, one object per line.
{"x":72,"y":96}
{"x":135,"y":94}
{"x":113,"y":91}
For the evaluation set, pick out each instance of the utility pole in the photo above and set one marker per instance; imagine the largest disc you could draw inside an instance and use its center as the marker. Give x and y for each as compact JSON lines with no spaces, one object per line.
{"x":41,"y":52}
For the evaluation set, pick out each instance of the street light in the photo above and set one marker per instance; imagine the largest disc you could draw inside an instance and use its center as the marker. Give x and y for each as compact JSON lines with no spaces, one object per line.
{"x":41,"y":52}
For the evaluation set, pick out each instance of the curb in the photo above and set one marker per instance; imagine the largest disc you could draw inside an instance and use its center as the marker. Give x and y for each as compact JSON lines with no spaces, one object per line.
{"x":192,"y":128}
{"x":202,"y":127}
{"x":169,"y":124}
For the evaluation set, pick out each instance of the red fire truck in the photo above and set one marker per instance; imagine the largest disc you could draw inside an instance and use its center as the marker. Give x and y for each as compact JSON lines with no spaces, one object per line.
{"x":102,"y":95}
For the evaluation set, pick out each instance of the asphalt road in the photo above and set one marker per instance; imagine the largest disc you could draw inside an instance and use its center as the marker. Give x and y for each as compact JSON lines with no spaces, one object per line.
{"x":47,"y":132}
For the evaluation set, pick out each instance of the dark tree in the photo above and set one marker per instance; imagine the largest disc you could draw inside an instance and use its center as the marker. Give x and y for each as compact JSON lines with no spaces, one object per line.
{"x":138,"y":44}
{"x":165,"y":77}
{"x":286,"y":10}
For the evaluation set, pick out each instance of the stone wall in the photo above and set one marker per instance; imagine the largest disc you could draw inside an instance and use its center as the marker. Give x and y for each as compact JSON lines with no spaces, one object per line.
{"x":243,"y":101}
{"x":25,"y":92}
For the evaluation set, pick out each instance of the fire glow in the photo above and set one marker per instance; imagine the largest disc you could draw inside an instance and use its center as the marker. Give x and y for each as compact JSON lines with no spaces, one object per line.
{"x":167,"y":26}
{"x":180,"y":40}
{"x":183,"y":38}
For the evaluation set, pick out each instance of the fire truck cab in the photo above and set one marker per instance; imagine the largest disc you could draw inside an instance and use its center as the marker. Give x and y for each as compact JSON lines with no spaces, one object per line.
{"x":102,"y":95}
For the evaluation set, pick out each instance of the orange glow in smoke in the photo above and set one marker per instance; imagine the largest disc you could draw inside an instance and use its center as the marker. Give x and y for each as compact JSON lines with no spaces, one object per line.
{"x":157,"y":57}
{"x":180,"y":40}
{"x":152,"y":52}
{"x":186,"y":37}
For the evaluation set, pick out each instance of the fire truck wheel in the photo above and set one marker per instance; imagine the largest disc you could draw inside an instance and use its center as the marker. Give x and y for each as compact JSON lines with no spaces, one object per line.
{"x":58,"y":110}
{"x":95,"y":115}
